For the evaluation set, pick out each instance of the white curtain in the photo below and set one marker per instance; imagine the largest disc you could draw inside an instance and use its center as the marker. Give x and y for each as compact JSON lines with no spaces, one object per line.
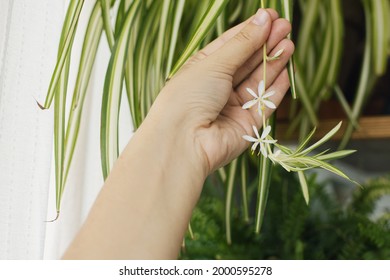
{"x":29,"y":35}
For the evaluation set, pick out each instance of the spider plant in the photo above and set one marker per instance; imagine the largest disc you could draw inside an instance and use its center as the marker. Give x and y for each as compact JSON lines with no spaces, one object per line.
{"x":151,"y":39}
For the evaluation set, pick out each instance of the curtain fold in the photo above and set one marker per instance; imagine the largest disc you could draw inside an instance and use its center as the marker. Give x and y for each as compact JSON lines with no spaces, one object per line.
{"x":29,"y":33}
{"x":29,"y":37}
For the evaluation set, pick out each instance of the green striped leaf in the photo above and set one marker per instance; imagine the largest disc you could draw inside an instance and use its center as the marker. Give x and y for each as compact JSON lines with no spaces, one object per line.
{"x":59,"y":94}
{"x":75,"y":6}
{"x":205,"y":24}
{"x":229,"y":198}
{"x":304,"y":187}
{"x":112,"y":94}
{"x":365,"y":77}
{"x":287,"y":11}
{"x":335,"y":155}
{"x":105,"y":6}
{"x":87,"y":59}
{"x":322,"y":140}
{"x":380,"y":31}
{"x":337,"y":42}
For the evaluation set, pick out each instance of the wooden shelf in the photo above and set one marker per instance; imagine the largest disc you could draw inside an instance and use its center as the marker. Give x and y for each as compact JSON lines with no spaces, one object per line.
{"x":375,"y":127}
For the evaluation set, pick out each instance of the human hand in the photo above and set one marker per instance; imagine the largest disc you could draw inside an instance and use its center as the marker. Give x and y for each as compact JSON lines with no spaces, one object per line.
{"x":195,"y":126}
{"x":201,"y":106}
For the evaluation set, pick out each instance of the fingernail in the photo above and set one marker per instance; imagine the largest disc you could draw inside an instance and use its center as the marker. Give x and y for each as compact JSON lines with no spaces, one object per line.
{"x":261,"y":17}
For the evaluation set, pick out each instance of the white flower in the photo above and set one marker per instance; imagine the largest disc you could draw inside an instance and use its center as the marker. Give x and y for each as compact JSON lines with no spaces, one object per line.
{"x":261,"y":99}
{"x":260,"y":140}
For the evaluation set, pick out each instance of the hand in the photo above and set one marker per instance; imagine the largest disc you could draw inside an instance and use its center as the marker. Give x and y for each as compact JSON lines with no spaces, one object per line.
{"x":203,"y":101}
{"x":194,"y":126}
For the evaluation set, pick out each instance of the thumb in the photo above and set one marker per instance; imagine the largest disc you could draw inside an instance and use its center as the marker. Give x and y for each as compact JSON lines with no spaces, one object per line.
{"x":244,"y":44}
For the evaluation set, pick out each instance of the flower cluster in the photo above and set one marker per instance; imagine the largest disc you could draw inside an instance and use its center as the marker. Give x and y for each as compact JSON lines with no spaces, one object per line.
{"x":298,"y":160}
{"x":261,"y":99}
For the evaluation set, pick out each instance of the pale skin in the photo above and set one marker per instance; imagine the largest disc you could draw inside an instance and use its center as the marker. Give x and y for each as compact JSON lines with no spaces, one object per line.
{"x":194,"y":127}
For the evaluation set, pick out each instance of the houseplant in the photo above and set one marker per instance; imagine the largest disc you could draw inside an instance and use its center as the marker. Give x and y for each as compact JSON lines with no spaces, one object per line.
{"x":143,"y":68}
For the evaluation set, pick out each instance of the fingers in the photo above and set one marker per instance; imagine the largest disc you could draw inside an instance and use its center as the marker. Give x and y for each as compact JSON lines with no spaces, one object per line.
{"x":280,"y":29}
{"x":274,"y":68}
{"x":236,"y":51}
{"x":280,"y":85}
{"x":227,"y":35}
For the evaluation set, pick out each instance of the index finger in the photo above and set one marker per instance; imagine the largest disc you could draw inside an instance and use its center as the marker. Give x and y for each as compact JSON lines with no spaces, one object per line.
{"x":227,"y":35}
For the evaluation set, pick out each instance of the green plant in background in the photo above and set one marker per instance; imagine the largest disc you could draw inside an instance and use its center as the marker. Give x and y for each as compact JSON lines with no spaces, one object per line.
{"x":151,"y":40}
{"x":327,"y":229}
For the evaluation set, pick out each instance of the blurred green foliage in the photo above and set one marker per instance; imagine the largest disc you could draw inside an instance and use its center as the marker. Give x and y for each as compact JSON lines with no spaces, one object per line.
{"x":326,"y":229}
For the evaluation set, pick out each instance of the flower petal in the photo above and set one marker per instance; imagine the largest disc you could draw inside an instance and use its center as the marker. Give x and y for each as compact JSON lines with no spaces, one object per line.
{"x":249,"y":138}
{"x":266,"y":131}
{"x":269,"y":104}
{"x":254,"y":146}
{"x":268,"y":94}
{"x":249,"y":104}
{"x":251,"y":92}
{"x":263,"y":150}
{"x":278,"y":53}
{"x":256,"y":131}
{"x":259,"y":109}
{"x":260,"y":88}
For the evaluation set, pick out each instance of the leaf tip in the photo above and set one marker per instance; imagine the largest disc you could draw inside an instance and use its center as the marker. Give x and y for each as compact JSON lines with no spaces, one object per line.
{"x":40,"y":105}
{"x":55,"y":219}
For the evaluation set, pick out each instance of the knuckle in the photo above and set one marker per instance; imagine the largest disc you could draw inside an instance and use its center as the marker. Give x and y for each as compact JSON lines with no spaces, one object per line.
{"x":243,"y":36}
{"x":246,"y":40}
{"x":201,"y":55}
{"x":287,"y":45}
{"x":282,"y":26}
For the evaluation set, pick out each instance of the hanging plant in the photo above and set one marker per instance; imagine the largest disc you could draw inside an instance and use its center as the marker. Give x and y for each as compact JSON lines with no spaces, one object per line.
{"x":151,"y":40}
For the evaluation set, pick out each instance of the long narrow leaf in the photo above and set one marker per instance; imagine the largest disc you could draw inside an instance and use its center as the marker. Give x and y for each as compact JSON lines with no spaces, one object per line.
{"x":304,"y":187}
{"x":337,"y":42}
{"x":304,"y":97}
{"x":347,"y":109}
{"x":162,"y":36}
{"x":210,"y":17}
{"x":142,"y":54}
{"x":322,"y":140}
{"x":335,"y":155}
{"x":306,"y":141}
{"x":132,"y":93}
{"x":262,"y":194}
{"x":244,"y":186}
{"x":105,"y":4}
{"x":112,"y":95}
{"x":88,"y":54}
{"x":59,"y":131}
{"x":229,"y":198}
{"x":265,"y":173}
{"x":307,"y":28}
{"x":174,"y":34}
{"x":364,"y":79}
{"x":323,"y":66}
{"x":64,"y":52}
{"x":60,"y":105}
{"x":287,"y":9}
{"x":380,"y":26}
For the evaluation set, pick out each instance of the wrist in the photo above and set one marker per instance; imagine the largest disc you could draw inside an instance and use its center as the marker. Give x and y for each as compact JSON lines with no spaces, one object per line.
{"x":176,"y":131}
{"x":171,"y":151}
